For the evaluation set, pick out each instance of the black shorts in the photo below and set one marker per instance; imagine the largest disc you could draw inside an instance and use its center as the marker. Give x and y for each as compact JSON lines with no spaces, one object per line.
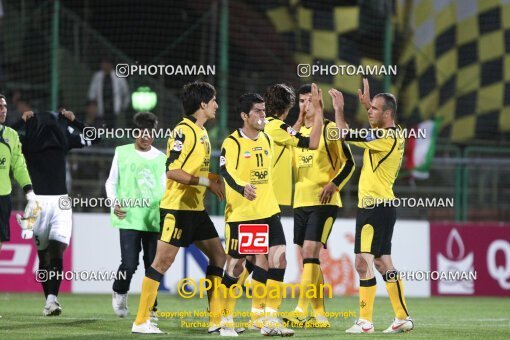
{"x":5,"y":215}
{"x":374,"y":230}
{"x":276,"y":234}
{"x":314,"y":223}
{"x":180,"y":228}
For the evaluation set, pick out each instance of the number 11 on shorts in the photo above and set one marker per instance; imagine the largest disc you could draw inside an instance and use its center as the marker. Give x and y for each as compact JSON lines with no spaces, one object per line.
{"x":253,"y":239}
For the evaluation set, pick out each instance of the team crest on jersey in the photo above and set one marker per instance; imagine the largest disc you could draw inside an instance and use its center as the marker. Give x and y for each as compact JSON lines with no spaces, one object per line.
{"x":223,"y":161}
{"x":247,"y":154}
{"x":291,"y":131}
{"x":203,"y":139}
{"x":177,"y":145}
{"x":266,"y":152}
{"x":371,"y":136}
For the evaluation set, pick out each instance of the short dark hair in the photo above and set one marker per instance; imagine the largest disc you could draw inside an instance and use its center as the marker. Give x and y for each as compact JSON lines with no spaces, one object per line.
{"x":195,"y":94}
{"x":279,"y":98}
{"x":2,"y":96}
{"x":390,"y":103}
{"x":145,"y":120}
{"x":246,"y":102}
{"x":304,"y":89}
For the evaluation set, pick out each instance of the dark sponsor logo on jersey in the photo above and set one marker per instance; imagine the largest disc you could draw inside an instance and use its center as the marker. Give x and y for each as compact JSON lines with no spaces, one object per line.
{"x":259,"y":176}
{"x":371,"y":136}
{"x":2,"y":161}
{"x":258,"y":148}
{"x":305,"y":161}
{"x":178,"y":145}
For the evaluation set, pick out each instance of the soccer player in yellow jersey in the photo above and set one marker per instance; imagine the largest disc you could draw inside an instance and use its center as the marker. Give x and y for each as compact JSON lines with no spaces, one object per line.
{"x":382,"y":159}
{"x":184,"y":219}
{"x":279,"y":99}
{"x":319,"y":176}
{"x":246,"y":163}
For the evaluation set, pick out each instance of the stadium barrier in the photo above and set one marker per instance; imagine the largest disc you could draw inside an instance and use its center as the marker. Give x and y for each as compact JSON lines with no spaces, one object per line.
{"x":434,"y":258}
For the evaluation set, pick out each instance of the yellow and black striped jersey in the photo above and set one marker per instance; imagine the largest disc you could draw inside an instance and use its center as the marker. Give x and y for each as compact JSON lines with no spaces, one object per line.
{"x":246,"y":161}
{"x":381,"y":163}
{"x":188,"y":149}
{"x":285,"y":138}
{"x":331,"y":162}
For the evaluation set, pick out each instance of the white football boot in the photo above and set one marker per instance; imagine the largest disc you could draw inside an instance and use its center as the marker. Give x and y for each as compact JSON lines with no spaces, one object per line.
{"x":361,"y":326}
{"x":399,"y":326}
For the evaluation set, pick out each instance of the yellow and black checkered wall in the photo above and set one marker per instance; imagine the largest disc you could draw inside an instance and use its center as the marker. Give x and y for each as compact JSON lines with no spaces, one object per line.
{"x":453,"y":57}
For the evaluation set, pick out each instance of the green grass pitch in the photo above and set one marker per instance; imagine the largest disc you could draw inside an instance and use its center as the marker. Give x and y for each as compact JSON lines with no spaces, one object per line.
{"x":91,"y":316}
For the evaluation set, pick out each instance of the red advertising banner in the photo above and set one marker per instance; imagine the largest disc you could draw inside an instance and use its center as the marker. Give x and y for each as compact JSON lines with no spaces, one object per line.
{"x":472,"y":258}
{"x":19,"y":262}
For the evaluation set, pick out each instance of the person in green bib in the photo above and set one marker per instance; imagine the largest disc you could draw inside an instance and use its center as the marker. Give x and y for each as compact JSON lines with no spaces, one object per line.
{"x":135,"y":187}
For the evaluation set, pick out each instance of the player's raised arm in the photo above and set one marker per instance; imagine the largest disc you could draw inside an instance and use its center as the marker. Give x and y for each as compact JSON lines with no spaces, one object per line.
{"x":318,"y":107}
{"x":338,"y":104}
{"x":75,"y":133}
{"x":302,"y":112}
{"x":364,"y":96}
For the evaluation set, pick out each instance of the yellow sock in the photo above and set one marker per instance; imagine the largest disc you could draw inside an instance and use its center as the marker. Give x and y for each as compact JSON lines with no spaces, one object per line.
{"x":318,"y":301}
{"x":147,"y":299}
{"x":228,"y":294}
{"x":395,"y":290}
{"x":367,"y":288}
{"x":216,"y":300}
{"x":274,"y":297}
{"x":258,"y":299}
{"x":230,"y":301}
{"x":309,"y":277}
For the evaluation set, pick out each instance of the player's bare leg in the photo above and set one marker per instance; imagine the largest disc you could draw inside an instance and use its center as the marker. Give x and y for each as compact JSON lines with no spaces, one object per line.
{"x":395,"y":288}
{"x":214,"y":251}
{"x":165,"y":256}
{"x":248,"y":269}
{"x":364,"y":264}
